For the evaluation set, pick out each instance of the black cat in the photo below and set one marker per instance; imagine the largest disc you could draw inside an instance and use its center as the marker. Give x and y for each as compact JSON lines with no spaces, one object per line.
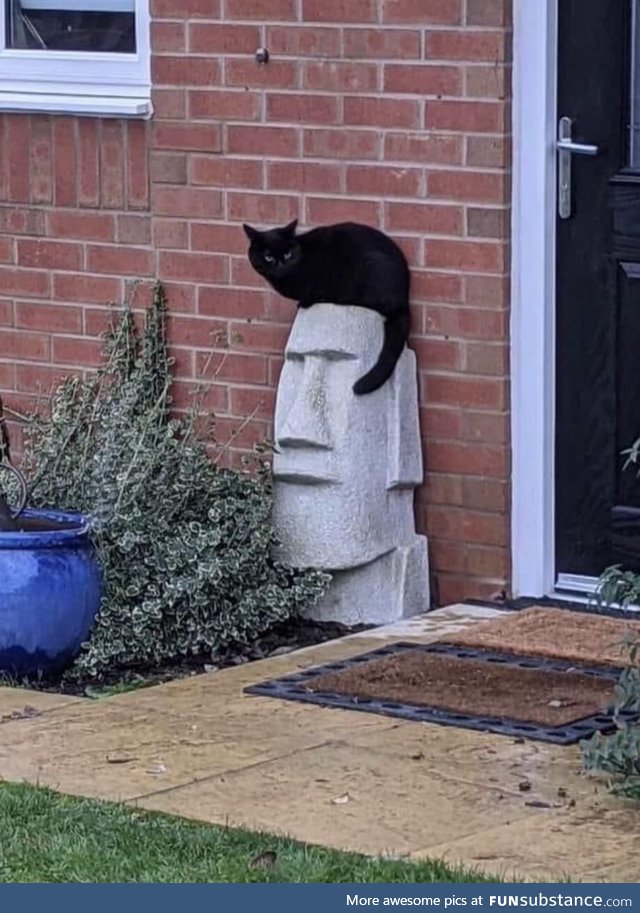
{"x":340,"y":264}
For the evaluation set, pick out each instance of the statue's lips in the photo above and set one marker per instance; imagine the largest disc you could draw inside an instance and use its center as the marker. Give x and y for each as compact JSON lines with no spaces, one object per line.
{"x":304,"y":477}
{"x":304,"y":466}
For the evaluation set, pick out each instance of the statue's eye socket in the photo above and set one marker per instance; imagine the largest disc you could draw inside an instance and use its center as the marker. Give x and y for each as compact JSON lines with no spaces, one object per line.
{"x":269,"y":258}
{"x":288,"y":255}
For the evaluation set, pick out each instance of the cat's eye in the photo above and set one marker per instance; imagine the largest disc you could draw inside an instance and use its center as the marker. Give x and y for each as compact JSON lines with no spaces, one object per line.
{"x":269,"y":258}
{"x":288,"y":255}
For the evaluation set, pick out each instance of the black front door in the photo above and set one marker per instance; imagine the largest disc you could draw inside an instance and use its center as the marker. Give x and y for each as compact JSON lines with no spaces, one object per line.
{"x":598,"y":288}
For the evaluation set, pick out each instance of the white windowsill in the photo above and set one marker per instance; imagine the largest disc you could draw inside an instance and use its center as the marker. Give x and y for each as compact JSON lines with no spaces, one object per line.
{"x":83,"y":105}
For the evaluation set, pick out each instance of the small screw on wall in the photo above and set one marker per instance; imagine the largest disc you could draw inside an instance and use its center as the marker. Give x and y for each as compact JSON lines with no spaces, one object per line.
{"x":262,"y":55}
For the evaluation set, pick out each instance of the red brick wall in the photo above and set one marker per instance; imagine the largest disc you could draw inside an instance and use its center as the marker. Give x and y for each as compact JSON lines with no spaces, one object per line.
{"x":390,"y":112}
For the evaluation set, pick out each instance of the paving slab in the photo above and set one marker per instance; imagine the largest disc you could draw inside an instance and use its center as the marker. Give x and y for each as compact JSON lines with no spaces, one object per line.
{"x":117,"y":755}
{"x":531,"y":771}
{"x":598,"y":844}
{"x":121,"y":752}
{"x":21,"y":701}
{"x":342,"y":796}
{"x":201,"y":748}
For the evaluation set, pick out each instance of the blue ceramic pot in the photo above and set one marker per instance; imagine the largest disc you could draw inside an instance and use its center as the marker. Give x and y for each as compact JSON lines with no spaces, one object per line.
{"x":50,"y":591}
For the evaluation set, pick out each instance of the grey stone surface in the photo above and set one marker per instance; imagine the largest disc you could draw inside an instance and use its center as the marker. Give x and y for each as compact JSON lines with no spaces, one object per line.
{"x":390,"y":588}
{"x":346,"y":468}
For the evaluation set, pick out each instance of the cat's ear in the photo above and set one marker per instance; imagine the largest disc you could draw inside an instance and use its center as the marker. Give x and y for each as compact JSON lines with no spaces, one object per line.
{"x":251,"y":233}
{"x":290,"y":229}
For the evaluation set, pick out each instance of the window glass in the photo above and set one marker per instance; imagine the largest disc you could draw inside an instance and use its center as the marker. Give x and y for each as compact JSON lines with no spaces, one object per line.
{"x":106,"y":26}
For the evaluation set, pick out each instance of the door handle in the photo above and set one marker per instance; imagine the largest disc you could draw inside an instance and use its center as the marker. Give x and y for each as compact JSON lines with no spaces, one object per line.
{"x":576,"y":148}
{"x":566,"y":149}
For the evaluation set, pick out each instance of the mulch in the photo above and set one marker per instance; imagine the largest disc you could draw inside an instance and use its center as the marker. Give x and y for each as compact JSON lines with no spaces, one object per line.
{"x":285,"y":637}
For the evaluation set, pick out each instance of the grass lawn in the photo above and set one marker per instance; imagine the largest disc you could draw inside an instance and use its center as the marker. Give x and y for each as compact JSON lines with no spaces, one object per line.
{"x":46,"y":837}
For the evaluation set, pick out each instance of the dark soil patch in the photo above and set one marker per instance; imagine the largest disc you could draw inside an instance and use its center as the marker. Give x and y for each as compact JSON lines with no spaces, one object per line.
{"x":284,"y":638}
{"x":541,"y":696}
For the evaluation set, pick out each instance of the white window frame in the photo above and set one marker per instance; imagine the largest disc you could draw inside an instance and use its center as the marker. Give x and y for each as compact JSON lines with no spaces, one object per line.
{"x":78,"y":82}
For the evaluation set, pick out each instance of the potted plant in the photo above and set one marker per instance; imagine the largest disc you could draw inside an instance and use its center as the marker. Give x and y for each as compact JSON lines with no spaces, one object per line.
{"x":50,"y":581}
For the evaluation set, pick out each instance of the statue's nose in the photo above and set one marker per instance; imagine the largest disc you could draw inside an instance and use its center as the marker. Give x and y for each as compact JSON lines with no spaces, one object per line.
{"x":307,"y":423}
{"x":304,"y":436}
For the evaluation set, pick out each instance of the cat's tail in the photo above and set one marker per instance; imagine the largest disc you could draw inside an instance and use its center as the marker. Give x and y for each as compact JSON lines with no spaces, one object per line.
{"x":396,"y":331}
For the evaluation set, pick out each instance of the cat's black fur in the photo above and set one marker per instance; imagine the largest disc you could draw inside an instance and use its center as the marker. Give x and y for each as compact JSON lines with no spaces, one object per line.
{"x":340,"y":264}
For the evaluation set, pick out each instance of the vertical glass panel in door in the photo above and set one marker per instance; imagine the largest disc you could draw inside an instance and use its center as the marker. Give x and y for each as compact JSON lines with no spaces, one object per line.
{"x":106,"y":26}
{"x":625,"y":529}
{"x":634,"y":85}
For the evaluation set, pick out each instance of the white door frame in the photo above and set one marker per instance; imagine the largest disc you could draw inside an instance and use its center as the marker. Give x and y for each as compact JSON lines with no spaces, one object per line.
{"x":533,"y":279}
{"x":533,"y":297}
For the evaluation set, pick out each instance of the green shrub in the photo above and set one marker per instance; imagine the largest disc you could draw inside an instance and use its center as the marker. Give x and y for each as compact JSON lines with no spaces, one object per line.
{"x":185,"y":545}
{"x":619,"y":752}
{"x":618,"y":587}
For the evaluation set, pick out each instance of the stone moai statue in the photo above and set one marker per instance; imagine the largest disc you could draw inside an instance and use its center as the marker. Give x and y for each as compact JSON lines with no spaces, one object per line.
{"x":346,"y":467}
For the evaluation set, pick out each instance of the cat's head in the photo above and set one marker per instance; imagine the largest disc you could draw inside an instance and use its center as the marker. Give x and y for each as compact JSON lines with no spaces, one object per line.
{"x":274,"y":253}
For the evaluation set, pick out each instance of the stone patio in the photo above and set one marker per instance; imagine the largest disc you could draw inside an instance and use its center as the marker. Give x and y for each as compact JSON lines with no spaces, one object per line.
{"x":201,"y":748}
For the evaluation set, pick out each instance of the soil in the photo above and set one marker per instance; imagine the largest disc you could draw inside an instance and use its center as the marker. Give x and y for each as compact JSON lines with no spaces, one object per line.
{"x":284,"y":638}
{"x":555,"y":633}
{"x":473,"y":687}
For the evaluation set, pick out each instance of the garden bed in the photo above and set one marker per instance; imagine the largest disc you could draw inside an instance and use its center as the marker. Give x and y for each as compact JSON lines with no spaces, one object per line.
{"x":283,"y":638}
{"x":185,"y":544}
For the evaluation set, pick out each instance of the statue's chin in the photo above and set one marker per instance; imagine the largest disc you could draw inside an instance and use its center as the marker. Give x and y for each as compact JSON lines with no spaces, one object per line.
{"x":323,"y":555}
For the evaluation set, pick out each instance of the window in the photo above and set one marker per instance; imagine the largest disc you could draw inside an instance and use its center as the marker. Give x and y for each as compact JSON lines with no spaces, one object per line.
{"x":75,"y":57}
